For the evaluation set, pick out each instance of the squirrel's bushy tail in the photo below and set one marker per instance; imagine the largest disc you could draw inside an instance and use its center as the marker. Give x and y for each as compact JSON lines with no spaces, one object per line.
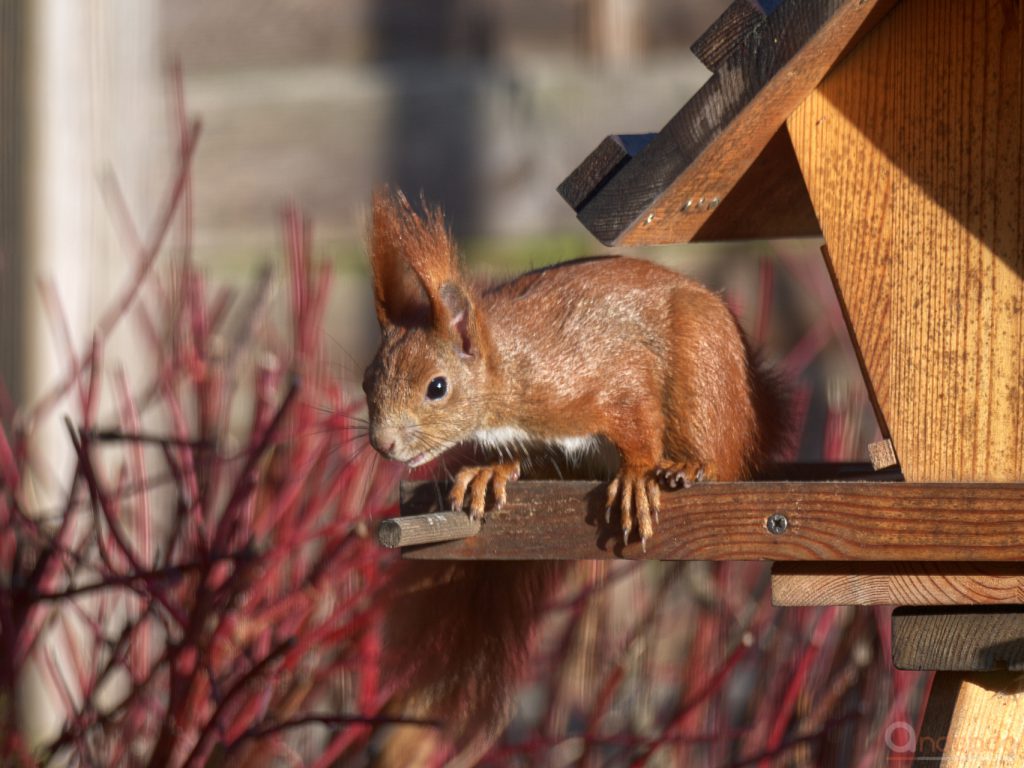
{"x":456,"y":642}
{"x":772,"y":398}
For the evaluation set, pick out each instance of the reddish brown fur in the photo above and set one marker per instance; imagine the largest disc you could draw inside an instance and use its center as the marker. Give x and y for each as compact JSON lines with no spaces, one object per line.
{"x":637,"y":353}
{"x":616,"y":348}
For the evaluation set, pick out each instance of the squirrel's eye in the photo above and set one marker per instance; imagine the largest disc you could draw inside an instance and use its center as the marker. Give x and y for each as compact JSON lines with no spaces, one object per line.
{"x":437,"y":388}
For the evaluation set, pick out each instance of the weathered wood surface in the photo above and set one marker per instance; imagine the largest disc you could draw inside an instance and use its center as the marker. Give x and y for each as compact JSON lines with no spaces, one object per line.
{"x":727,"y":33}
{"x":897,"y":583}
{"x":709,"y":145}
{"x":912,"y":151}
{"x":599,"y":166}
{"x":862,"y":521}
{"x":423,"y":529}
{"x":882,"y":454}
{"x":959,"y":640}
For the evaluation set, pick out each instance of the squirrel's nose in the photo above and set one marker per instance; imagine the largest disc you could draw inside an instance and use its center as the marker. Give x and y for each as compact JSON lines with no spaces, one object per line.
{"x":384,"y":440}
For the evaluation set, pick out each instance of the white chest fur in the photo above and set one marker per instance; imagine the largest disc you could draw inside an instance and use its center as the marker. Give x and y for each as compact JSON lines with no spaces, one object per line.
{"x":514,"y":438}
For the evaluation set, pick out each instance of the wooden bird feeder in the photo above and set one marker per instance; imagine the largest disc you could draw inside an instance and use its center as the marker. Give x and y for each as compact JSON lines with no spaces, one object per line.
{"x":894,"y":131}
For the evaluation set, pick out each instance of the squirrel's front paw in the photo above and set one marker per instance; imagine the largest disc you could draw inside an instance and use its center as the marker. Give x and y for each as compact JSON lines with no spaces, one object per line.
{"x":676,"y":474}
{"x":475,"y":480}
{"x":637,"y":493}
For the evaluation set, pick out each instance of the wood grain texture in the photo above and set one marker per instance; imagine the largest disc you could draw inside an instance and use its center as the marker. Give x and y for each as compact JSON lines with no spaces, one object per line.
{"x":425,"y":529}
{"x":882,"y":454}
{"x":897,"y":583}
{"x":862,"y":521}
{"x":770,"y":200}
{"x":712,"y":141}
{"x":971,"y":720}
{"x":727,"y":33}
{"x":912,"y":152}
{"x":959,"y":640}
{"x":600,"y":165}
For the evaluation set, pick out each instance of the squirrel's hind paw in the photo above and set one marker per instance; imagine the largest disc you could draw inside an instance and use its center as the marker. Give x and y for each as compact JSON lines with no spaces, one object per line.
{"x":638,"y":495}
{"x":476,"y":480}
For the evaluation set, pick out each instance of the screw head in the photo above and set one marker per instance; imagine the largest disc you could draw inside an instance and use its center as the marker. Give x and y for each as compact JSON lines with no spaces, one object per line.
{"x":777,"y":523}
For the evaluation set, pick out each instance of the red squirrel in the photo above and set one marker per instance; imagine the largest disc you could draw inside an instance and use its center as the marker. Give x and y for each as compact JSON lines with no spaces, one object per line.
{"x":601,"y":351}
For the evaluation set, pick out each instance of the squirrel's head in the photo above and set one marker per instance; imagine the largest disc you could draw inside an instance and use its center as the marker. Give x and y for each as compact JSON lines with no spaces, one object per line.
{"x":426,"y":387}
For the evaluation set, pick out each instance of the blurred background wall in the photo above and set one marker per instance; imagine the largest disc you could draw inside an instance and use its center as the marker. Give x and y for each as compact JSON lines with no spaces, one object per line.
{"x":484,"y":105}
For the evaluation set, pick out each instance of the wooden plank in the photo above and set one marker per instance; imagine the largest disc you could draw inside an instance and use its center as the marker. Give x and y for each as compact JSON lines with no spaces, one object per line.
{"x":770,"y":200}
{"x":712,"y":141}
{"x":920,"y":200}
{"x":727,"y":33}
{"x":601,"y":164}
{"x":862,"y":521}
{"x":882,"y":454}
{"x":972,"y":719}
{"x":898,"y":583}
{"x":959,"y":640}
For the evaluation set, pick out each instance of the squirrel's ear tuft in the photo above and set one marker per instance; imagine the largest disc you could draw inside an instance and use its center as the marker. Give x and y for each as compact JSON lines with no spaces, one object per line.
{"x":413,"y":255}
{"x":400,"y":296}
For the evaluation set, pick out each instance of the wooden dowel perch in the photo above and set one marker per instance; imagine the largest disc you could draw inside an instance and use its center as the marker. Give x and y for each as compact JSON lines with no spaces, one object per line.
{"x":426,"y":529}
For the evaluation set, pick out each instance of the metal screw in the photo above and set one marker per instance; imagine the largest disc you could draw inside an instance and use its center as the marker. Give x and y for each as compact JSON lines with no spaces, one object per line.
{"x":777,"y":523}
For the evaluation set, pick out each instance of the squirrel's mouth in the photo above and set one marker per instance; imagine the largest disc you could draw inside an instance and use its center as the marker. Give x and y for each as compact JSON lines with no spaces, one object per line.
{"x":422,"y":458}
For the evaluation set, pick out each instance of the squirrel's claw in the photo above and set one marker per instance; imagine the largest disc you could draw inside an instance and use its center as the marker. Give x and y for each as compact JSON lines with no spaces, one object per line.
{"x":475,"y":480}
{"x":457,"y":494}
{"x":613,"y":492}
{"x":638,"y":498}
{"x":503,"y":475}
{"x":626,"y":509}
{"x":478,"y":493}
{"x":673,"y":474}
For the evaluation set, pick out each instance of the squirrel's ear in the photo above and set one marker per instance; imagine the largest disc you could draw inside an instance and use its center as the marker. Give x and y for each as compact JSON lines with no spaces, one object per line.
{"x":399,"y":294}
{"x":458,"y":318}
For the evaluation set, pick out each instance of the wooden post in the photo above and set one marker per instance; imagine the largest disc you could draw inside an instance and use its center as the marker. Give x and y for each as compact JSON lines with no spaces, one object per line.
{"x":91,"y":95}
{"x":911,"y":150}
{"x":972,"y":719}
{"x":912,"y":153}
{"x":612,"y":31}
